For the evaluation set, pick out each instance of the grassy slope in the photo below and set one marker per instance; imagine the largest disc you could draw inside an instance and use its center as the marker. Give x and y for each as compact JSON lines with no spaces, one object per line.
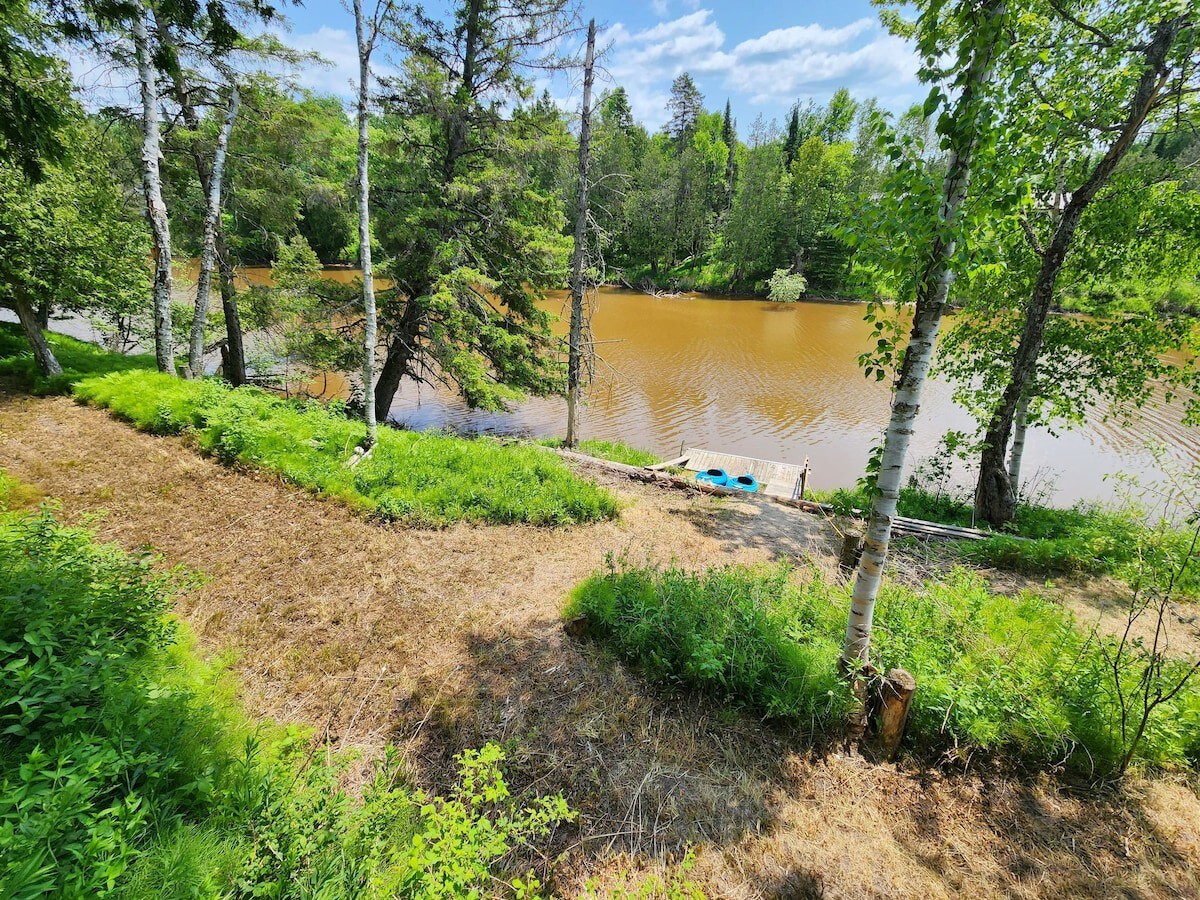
{"x":78,"y":359}
{"x":418,"y":478}
{"x":126,"y":765}
{"x":1014,"y":677}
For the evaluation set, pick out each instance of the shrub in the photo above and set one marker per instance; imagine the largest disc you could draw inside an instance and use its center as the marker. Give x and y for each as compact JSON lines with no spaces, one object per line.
{"x":125,"y":766}
{"x":1011,"y":676}
{"x":418,"y":478}
{"x":78,"y":359}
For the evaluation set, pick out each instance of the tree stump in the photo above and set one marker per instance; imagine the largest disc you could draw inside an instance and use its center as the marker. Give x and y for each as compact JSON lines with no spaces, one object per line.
{"x":894,"y":698}
{"x":852,"y":548}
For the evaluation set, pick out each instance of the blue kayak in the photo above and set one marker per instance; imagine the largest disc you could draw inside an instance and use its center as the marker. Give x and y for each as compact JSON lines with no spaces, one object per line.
{"x":747,"y":483}
{"x":714,"y":476}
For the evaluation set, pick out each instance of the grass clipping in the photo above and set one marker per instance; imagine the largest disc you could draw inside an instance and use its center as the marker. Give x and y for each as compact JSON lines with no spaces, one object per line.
{"x":426,"y":479}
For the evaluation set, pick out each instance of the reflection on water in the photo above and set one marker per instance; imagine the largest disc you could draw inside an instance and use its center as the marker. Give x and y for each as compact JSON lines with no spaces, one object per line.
{"x":777,"y":381}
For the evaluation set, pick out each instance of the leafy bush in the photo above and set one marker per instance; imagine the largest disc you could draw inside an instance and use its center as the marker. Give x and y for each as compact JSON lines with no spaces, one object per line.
{"x":1012,"y":676}
{"x":419,"y":478}
{"x":126,"y":768}
{"x":78,"y":359}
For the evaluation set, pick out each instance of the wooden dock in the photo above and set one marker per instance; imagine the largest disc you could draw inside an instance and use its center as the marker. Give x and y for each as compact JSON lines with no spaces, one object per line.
{"x":778,"y":479}
{"x":786,"y":483}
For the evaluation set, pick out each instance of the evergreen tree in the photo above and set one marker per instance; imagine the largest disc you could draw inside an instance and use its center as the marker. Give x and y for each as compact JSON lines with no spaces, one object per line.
{"x":684,"y":108}
{"x":729,"y":138}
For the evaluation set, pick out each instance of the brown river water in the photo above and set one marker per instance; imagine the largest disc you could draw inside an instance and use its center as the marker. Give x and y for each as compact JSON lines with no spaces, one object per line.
{"x":774,"y":381}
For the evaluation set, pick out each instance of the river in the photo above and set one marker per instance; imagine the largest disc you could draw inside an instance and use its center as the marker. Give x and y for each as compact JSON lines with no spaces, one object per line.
{"x":775,"y":381}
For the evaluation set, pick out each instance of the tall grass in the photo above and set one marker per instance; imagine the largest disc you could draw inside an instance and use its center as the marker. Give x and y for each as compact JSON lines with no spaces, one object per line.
{"x":429,"y":479}
{"x":78,"y":359}
{"x":1010,"y":676}
{"x":613,"y":451}
{"x":1043,"y":540}
{"x":127,"y":769}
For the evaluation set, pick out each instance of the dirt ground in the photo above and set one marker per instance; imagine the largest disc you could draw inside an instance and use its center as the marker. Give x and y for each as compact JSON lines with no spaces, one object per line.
{"x":440,"y":640}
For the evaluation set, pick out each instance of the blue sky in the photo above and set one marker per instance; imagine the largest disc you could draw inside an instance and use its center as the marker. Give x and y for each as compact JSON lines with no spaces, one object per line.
{"x":761,"y":54}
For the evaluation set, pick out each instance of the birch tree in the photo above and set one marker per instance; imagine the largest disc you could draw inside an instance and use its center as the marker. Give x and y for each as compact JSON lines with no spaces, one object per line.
{"x":208,"y":240}
{"x":1115,"y":68}
{"x":579,"y":254}
{"x":156,"y":208}
{"x":367,"y":33}
{"x":929,"y":245}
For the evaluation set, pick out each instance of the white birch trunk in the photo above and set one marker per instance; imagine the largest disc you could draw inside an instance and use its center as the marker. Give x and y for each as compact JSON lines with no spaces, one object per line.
{"x":208,"y":246}
{"x":156,"y":208}
{"x":1020,"y":426}
{"x":579,"y":254}
{"x":931,"y":302}
{"x":366,"y":38}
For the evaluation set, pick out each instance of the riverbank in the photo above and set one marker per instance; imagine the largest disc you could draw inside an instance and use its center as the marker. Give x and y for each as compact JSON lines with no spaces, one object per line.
{"x":436,"y":641}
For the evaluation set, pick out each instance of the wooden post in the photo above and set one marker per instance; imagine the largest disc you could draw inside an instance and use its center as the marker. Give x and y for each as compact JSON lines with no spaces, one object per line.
{"x":895,"y":696}
{"x":803,"y":478}
{"x":852,"y":547}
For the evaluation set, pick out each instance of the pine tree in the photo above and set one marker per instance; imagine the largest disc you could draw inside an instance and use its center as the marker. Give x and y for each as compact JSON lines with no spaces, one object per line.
{"x":729,"y":136}
{"x":685,"y":106}
{"x":791,"y":144}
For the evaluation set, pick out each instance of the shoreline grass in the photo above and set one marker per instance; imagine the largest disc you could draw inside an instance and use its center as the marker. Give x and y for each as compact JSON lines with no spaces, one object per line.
{"x":426,"y":479}
{"x":1084,"y":539}
{"x":613,"y":451}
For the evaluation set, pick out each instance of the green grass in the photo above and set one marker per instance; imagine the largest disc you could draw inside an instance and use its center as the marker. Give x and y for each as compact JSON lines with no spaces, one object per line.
{"x":427,"y":479}
{"x":613,"y":451}
{"x":1013,"y":677}
{"x":1046,"y":541}
{"x":127,"y":769}
{"x":78,"y":359}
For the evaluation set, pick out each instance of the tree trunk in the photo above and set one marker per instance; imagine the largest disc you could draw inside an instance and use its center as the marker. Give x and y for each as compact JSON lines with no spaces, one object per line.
{"x":395,"y":366}
{"x":1017,"y":453}
{"x":578,"y":256}
{"x":43,"y":314}
{"x":995,"y":499}
{"x":28,"y":316}
{"x":235,"y":362}
{"x":208,"y":244}
{"x":366,"y":39}
{"x":156,"y":209}
{"x":932,"y":289}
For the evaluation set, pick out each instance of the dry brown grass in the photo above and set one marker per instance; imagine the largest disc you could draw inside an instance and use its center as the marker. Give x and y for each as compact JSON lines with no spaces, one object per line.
{"x":440,"y":640}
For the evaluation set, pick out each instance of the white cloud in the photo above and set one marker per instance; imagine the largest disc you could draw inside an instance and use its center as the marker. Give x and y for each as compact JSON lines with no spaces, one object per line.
{"x":338,"y":47}
{"x":774,"y":68}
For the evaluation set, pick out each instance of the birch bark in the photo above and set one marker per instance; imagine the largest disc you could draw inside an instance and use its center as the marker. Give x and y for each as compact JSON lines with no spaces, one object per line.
{"x":156,"y":208}
{"x":932,"y":290}
{"x":208,"y":247}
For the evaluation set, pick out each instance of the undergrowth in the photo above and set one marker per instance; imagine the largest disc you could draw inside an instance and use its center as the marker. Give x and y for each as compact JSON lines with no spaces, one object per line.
{"x":1013,"y":677}
{"x":126,"y":768}
{"x":78,"y":359}
{"x":1044,"y":540}
{"x":420,"y":478}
